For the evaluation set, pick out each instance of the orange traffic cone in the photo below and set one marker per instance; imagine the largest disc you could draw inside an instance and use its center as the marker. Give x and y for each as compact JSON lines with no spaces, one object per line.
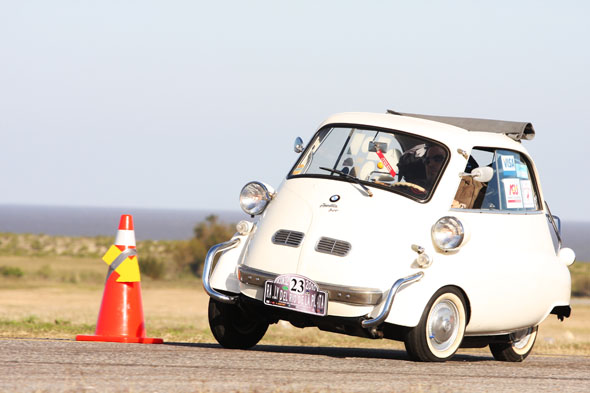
{"x":120,"y":318}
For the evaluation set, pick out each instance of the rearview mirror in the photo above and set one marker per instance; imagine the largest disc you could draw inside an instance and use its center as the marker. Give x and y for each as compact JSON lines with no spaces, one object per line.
{"x":298,"y":147}
{"x":382,"y":146}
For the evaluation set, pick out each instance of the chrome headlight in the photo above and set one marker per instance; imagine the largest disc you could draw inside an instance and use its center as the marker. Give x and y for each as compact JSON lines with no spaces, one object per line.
{"x":254,"y":197}
{"x":448,"y":233}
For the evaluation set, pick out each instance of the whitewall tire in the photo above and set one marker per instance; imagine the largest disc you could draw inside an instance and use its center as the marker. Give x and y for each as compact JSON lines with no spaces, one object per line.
{"x":520,"y":346}
{"x":441,"y":329}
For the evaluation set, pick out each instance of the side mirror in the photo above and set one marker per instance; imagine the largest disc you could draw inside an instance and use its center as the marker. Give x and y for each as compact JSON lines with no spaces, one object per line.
{"x":483,"y":174}
{"x":298,"y":147}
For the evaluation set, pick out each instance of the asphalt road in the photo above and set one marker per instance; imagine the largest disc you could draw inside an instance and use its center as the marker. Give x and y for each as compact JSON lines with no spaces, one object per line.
{"x":28,"y":365}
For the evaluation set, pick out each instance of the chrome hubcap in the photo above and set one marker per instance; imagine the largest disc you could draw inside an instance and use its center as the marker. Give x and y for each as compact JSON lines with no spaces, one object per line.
{"x":521,"y":338}
{"x":443,"y":325}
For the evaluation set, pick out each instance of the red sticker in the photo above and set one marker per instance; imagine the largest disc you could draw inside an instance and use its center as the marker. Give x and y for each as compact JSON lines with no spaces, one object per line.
{"x":386,"y":163}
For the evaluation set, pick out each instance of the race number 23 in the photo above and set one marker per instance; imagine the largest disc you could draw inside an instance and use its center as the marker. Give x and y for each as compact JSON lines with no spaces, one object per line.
{"x":297,"y":285}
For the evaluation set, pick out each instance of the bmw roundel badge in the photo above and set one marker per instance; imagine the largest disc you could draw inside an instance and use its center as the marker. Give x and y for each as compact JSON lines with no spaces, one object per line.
{"x":334,"y":198}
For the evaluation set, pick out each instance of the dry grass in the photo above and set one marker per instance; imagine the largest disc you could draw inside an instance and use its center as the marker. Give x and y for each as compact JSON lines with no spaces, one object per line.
{"x":54,"y":307}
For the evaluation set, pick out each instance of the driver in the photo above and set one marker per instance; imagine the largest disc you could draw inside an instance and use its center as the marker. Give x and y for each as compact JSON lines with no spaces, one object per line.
{"x":433,"y":160}
{"x":411,"y":166}
{"x":421,"y":166}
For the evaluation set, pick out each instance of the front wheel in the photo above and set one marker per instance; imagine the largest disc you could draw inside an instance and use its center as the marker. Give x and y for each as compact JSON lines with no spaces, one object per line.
{"x":441,"y":329}
{"x":518,"y":348}
{"x":233,"y":327}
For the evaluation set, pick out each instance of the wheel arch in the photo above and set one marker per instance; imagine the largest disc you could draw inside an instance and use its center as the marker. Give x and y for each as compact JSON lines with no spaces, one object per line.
{"x":465,"y":298}
{"x":441,"y":329}
{"x":409,"y":305}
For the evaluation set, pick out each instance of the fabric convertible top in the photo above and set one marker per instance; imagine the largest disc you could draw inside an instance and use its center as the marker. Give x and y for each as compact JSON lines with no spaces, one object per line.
{"x":513,"y":129}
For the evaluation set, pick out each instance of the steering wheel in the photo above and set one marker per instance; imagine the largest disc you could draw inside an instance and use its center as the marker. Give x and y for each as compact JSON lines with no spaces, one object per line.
{"x":414,"y":186}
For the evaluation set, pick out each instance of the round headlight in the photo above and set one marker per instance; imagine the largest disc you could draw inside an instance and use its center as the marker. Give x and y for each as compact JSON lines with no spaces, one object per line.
{"x":254,"y":198}
{"x":448,"y":233}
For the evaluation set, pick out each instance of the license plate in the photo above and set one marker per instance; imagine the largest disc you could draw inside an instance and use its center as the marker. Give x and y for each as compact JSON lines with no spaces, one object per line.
{"x":296,"y":293}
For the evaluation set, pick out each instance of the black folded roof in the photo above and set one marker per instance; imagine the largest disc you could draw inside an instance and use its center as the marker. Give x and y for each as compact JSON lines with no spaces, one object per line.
{"x":514,"y":129}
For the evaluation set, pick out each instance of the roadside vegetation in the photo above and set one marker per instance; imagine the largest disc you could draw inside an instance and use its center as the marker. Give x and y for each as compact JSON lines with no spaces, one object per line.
{"x":51,"y":287}
{"x":580,"y":279}
{"x":158,"y":259}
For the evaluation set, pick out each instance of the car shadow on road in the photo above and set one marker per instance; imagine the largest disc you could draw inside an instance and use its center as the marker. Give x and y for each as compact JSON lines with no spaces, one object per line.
{"x":344,"y":352}
{"x":341,"y":352}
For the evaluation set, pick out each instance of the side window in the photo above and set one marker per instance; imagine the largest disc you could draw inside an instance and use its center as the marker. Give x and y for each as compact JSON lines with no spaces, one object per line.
{"x":511,"y":187}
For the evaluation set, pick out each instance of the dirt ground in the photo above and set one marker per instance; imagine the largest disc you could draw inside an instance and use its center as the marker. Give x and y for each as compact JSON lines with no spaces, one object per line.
{"x":180,"y":314}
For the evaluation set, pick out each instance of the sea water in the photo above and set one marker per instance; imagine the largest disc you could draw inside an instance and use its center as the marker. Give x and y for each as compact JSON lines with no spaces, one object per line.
{"x":154,"y":224}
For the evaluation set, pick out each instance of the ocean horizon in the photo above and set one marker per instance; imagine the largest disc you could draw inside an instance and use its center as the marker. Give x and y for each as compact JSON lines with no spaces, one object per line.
{"x":172,"y":224}
{"x":150,"y":224}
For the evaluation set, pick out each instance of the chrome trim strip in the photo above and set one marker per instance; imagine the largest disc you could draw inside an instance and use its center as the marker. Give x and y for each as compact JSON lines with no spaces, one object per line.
{"x":552,"y":219}
{"x":351,"y":295}
{"x":497,"y":211}
{"x":369,"y":323}
{"x":208,"y":269}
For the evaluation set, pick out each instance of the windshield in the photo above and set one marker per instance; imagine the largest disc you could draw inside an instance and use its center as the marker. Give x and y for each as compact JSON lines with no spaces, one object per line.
{"x":398,"y":162}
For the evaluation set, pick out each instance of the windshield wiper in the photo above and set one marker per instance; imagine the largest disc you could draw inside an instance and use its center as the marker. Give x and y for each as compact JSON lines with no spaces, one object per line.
{"x":355,"y":179}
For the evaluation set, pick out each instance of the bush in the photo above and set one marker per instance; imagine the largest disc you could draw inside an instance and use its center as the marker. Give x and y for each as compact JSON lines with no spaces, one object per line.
{"x":580,"y":279}
{"x":152,"y":267}
{"x":10,"y":271}
{"x":190,"y":255}
{"x":581,"y":285}
{"x":45,"y":271}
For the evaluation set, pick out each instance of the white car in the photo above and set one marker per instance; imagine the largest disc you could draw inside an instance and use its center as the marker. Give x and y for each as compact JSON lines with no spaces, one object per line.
{"x":425,"y":229}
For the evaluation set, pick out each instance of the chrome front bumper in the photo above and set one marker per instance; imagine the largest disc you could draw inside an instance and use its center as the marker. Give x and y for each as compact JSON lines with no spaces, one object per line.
{"x":370,"y":323}
{"x":208,"y":269}
{"x":351,"y":295}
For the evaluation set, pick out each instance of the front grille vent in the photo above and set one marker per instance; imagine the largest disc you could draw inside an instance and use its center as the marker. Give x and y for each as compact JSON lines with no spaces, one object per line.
{"x":285,"y":237}
{"x":334,"y":247}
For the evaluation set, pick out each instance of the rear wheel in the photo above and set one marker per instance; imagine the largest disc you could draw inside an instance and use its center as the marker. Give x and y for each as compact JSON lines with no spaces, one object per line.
{"x":441,"y":329}
{"x":518,"y":348}
{"x":233,"y":327}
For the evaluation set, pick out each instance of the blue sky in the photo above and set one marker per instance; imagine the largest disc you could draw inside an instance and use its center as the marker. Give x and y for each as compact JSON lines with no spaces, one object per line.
{"x":177,"y":104}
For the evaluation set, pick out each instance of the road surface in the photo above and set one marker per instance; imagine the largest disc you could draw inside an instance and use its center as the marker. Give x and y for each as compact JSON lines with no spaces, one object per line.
{"x":29,"y":365}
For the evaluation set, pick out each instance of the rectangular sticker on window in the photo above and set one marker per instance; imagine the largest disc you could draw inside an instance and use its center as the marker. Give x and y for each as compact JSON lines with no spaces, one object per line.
{"x":521,"y":171}
{"x":512,"y":193}
{"x":508,"y":164}
{"x":528,"y":199}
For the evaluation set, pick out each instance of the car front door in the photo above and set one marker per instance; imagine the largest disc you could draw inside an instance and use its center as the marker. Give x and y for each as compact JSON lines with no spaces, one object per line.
{"x":509,"y":258}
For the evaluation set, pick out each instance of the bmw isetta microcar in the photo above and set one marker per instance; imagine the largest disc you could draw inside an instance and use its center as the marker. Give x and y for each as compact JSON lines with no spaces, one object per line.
{"x":424,"y":229}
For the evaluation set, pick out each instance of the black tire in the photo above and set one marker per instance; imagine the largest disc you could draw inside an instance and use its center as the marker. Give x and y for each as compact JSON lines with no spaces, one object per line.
{"x":441,"y":329}
{"x":520,"y":346}
{"x":233,"y":328}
